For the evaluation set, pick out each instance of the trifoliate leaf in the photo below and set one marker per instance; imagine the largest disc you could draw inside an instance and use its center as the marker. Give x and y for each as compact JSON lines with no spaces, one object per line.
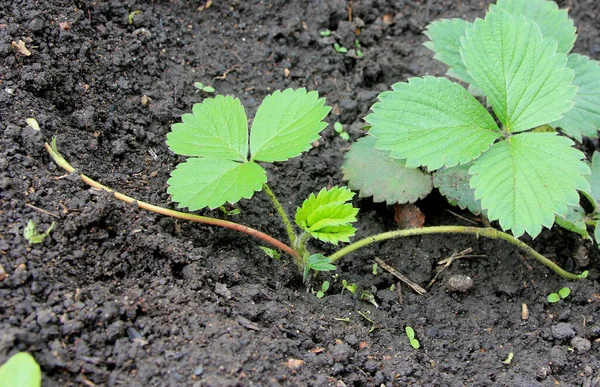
{"x":453,"y":183}
{"x":371,"y":172}
{"x":552,"y":21}
{"x":527,"y":179}
{"x":21,"y":370}
{"x":574,"y":221}
{"x":584,"y":118}
{"x":211,"y":182}
{"x":286,"y":124}
{"x":444,"y":38}
{"x":524,"y":79}
{"x":327,"y":216}
{"x":431,"y":122}
{"x":217,"y":127}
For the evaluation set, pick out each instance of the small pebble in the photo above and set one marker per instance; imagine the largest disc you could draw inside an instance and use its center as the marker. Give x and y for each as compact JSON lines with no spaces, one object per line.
{"x":460,"y":283}
{"x":581,"y":344}
{"x":562,"y":331}
{"x":199,"y":370}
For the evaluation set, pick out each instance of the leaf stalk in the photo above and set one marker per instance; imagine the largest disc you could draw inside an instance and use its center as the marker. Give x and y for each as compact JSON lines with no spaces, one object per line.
{"x":284,"y":218}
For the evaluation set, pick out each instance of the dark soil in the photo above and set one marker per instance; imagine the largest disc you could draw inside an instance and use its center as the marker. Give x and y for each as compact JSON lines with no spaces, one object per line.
{"x":121,"y":297}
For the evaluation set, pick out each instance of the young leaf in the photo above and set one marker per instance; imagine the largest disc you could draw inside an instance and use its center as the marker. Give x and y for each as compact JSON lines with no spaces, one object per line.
{"x":210,"y":182}
{"x":371,"y":172}
{"x":33,"y":236}
{"x":584,"y":118}
{"x":432,"y":122}
{"x":453,"y":183}
{"x":564,"y":292}
{"x":523,"y":184}
{"x":553,"y":298}
{"x":444,"y":38}
{"x":594,"y":179}
{"x":553,"y":22}
{"x":21,"y":370}
{"x":319,"y":262}
{"x":410,"y":333}
{"x":286,"y":124}
{"x":327,"y":216}
{"x":574,"y":220}
{"x":503,"y":53}
{"x":217,"y":127}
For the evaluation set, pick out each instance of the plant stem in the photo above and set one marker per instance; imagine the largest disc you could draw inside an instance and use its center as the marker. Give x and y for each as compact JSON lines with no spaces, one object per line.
{"x":175,"y":214}
{"x":282,"y":214}
{"x":487,"y":232}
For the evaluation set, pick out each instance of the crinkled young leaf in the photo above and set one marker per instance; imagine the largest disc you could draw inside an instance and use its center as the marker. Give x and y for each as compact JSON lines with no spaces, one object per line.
{"x":319,"y":262}
{"x":523,"y":184}
{"x":327,"y":216}
{"x":521,"y":74}
{"x":553,"y":22}
{"x":584,"y":118}
{"x":444,"y":38}
{"x":21,"y":370}
{"x":217,"y":127}
{"x":431,"y":122}
{"x":286,"y":124}
{"x":371,"y":172}
{"x":453,"y":183}
{"x":211,"y":182}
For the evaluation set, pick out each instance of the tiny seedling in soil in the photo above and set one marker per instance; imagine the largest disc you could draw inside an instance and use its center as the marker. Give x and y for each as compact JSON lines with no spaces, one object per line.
{"x":509,"y":358}
{"x":226,"y":212}
{"x":369,"y":297}
{"x":562,"y":294}
{"x":348,"y":286}
{"x":339,"y":129}
{"x":33,"y":236}
{"x":339,"y":48}
{"x":325,"y":33}
{"x":271,"y":252}
{"x":374,"y":269}
{"x":359,"y":53}
{"x":324,"y":289}
{"x":410,"y":333}
{"x":205,"y":88}
{"x":21,"y":370}
{"x":132,"y":15}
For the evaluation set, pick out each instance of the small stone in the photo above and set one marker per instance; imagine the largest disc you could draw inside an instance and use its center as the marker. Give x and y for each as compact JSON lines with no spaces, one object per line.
{"x":460,"y":283}
{"x":342,"y":352}
{"x":581,"y":344}
{"x":199,"y":370}
{"x":562,"y":331}
{"x":221,"y":290}
{"x":558,"y":356}
{"x":45,"y":317}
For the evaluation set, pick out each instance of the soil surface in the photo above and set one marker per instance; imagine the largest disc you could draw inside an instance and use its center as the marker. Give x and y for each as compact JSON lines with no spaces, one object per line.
{"x":116,"y":296}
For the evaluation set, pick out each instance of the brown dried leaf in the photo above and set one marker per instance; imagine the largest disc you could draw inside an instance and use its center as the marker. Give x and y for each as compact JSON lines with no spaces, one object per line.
{"x":409,"y":216}
{"x":294,"y":364}
{"x":20,"y":47}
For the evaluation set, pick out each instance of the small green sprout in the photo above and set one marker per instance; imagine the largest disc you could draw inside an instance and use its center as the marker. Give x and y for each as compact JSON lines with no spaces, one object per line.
{"x":339,"y":48}
{"x":366,"y":317}
{"x":205,"y":88}
{"x":509,"y":358}
{"x":132,"y":14}
{"x":324,"y":288}
{"x":374,"y":269}
{"x":33,"y":123}
{"x":348,"y":286}
{"x":33,"y":236}
{"x":344,"y":319}
{"x":21,"y":370}
{"x":584,"y":274}
{"x":562,"y":294}
{"x":369,"y":297}
{"x":325,"y":33}
{"x":271,"y":252}
{"x":392,"y":287}
{"x":339,"y":128}
{"x":410,"y":333}
{"x":235,"y":211}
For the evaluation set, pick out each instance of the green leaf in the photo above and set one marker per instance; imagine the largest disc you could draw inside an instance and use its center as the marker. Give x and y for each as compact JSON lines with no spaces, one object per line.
{"x":525,"y":80}
{"x":270,"y":252}
{"x":553,"y":297}
{"x":553,"y":22}
{"x":410,"y":332}
{"x":527,"y":179}
{"x":597,"y":233}
{"x":453,"y":183}
{"x":286,"y":124}
{"x":445,"y":38}
{"x":31,"y":234}
{"x":584,"y":118}
{"x":431,"y":122}
{"x":371,"y":172}
{"x":574,"y":220}
{"x":319,"y":262}
{"x":217,"y":127}
{"x":594,"y":179}
{"x":564,"y":292}
{"x":327,"y":216}
{"x":21,"y":370}
{"x":211,"y":182}
{"x":415,"y":343}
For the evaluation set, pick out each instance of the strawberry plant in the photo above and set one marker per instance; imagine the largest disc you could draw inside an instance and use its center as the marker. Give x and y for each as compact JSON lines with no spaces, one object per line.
{"x":510,"y":159}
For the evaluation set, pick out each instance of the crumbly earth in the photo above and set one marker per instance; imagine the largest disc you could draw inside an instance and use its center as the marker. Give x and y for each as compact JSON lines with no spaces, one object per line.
{"x":121,"y":297}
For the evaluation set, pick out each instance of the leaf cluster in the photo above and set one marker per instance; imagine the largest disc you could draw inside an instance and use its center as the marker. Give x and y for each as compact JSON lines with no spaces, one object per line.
{"x":518,"y":172}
